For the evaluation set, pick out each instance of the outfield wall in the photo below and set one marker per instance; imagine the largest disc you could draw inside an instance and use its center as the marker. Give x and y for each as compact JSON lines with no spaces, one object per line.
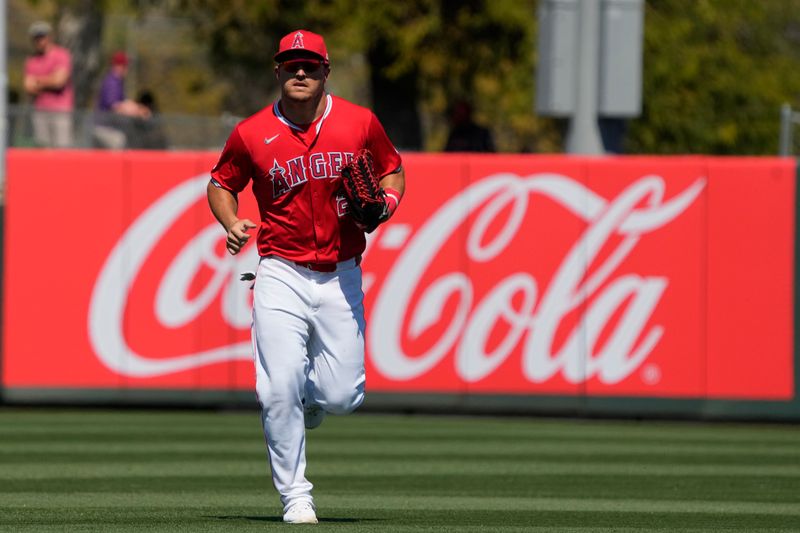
{"x":636,"y":286}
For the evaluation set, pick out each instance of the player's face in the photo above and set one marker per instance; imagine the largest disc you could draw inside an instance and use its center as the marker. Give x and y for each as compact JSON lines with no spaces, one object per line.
{"x":302,"y":79}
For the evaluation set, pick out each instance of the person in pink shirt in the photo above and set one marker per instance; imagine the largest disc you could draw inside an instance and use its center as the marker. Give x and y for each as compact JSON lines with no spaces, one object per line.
{"x":48,"y":80}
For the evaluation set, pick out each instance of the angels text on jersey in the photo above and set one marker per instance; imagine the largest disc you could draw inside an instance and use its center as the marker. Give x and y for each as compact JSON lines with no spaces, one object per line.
{"x":296,"y":171}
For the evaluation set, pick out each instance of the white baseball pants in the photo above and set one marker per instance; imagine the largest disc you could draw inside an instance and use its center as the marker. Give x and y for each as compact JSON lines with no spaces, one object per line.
{"x":308,"y":342}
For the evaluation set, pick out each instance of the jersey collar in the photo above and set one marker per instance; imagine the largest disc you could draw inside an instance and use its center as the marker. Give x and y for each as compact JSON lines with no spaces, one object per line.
{"x":329,"y":103}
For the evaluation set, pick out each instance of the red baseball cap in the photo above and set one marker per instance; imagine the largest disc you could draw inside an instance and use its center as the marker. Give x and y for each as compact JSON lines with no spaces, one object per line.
{"x":119,"y":58}
{"x":302,"y":41}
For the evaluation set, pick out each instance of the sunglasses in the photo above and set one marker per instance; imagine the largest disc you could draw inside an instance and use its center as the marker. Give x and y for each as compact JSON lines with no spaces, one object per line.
{"x":309,"y":66}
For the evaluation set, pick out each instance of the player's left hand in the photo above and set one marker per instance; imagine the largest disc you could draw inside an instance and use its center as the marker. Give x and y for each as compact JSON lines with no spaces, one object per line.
{"x":361,"y":187}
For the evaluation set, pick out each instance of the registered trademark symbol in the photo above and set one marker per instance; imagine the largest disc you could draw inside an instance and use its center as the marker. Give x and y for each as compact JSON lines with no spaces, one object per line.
{"x":651,"y":374}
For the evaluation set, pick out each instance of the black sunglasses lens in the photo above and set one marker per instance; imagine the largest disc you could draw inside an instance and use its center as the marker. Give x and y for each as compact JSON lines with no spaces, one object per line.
{"x":305,"y":66}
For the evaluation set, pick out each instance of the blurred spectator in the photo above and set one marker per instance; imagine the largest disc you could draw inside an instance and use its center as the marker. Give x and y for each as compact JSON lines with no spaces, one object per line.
{"x":48,"y":80}
{"x":465,"y":134}
{"x":612,"y":133}
{"x":148,"y":99}
{"x":116,"y":113}
{"x":148,"y":133}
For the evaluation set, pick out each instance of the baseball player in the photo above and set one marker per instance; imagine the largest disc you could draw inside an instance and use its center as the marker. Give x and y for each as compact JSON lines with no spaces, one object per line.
{"x":308,"y":317}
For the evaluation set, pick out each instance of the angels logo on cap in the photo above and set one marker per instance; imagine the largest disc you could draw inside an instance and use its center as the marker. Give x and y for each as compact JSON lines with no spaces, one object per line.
{"x":302,"y":41}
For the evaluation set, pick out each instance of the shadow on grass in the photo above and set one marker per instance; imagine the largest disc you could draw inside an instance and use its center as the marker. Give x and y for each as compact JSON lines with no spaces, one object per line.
{"x":280,"y":519}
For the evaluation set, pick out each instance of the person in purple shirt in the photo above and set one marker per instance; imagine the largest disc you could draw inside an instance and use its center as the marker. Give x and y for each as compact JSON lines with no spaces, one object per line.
{"x":115,"y":112}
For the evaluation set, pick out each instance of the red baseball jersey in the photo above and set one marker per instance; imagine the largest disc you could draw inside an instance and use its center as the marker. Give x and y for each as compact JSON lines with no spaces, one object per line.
{"x":296,"y":181}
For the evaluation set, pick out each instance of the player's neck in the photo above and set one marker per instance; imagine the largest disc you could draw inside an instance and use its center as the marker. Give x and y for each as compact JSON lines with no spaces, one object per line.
{"x":303,"y":113}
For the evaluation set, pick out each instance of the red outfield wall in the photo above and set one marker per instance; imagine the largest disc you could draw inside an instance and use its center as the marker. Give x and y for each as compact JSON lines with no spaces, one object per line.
{"x":534,"y":275}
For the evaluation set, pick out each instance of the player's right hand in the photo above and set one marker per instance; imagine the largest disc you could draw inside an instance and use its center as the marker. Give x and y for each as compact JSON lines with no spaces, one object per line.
{"x":238,"y":236}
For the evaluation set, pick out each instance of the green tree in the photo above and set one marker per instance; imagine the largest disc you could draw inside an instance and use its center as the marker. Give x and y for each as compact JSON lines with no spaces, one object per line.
{"x":422,"y":56}
{"x":715,"y":75}
{"x":241,"y":37}
{"x":476,"y":50}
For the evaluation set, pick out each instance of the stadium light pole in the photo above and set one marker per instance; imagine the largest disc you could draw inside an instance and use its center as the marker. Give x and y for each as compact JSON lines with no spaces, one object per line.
{"x":583,"y":135}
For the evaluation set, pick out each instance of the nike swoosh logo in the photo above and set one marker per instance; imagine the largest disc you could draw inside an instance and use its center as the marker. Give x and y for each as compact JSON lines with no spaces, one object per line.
{"x":267,"y":141}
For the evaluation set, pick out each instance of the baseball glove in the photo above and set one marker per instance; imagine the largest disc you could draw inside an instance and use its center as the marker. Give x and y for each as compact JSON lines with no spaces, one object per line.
{"x":361,"y":188}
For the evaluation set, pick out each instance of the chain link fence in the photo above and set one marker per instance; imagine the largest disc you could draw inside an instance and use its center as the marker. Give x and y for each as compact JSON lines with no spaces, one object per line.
{"x":90,"y":129}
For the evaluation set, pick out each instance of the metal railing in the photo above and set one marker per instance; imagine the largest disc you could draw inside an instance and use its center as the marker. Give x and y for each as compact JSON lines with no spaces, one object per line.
{"x":163,"y":131}
{"x":172,"y":131}
{"x":789,"y":119}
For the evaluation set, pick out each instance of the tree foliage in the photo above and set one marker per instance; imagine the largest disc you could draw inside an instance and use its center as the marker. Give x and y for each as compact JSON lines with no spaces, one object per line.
{"x":477,"y":50}
{"x":715,"y":75}
{"x":80,"y":26}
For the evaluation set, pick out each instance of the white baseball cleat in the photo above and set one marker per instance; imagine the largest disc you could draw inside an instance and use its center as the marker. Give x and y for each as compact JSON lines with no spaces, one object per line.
{"x":300,"y":513}
{"x":313,"y":415}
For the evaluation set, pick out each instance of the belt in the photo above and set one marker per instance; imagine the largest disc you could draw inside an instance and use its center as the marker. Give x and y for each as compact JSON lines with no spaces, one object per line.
{"x":329,"y":267}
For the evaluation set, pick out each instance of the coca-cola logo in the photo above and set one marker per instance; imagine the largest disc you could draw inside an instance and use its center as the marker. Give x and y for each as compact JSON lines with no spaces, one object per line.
{"x":535,"y":323}
{"x":403,"y":308}
{"x":172,"y":305}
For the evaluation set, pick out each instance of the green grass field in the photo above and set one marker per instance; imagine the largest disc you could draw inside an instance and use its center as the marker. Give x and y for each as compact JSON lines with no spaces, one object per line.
{"x":89,"y":470}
